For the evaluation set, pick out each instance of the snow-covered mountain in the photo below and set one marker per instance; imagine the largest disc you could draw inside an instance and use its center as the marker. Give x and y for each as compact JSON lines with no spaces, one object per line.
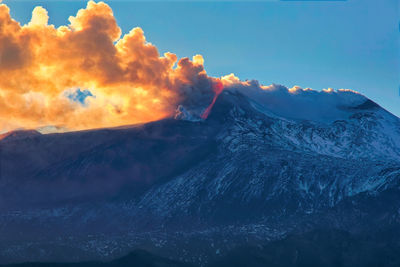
{"x":193,"y":189}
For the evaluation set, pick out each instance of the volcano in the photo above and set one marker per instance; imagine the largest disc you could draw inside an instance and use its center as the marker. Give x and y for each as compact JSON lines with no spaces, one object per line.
{"x":249,"y":174}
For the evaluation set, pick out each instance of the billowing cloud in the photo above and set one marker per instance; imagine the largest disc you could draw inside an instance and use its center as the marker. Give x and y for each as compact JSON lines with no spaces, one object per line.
{"x":41,"y":65}
{"x":87,"y":75}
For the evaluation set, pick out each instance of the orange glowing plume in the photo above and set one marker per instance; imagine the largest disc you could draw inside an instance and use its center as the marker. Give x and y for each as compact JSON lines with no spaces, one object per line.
{"x":40,"y":66}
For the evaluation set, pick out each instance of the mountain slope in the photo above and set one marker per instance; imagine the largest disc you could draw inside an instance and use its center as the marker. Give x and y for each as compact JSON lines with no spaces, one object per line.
{"x":193,"y":190}
{"x":136,"y":258}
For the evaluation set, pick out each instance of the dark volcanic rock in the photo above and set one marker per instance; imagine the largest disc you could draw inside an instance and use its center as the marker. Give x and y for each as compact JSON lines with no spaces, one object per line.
{"x":194,"y":190}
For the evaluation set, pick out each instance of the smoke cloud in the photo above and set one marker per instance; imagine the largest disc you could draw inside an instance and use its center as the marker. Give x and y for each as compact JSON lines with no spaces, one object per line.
{"x":87,"y":75}
{"x":129,"y":82}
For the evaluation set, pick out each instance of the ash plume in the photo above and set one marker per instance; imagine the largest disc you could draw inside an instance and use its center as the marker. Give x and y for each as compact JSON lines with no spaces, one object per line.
{"x":128,"y":80}
{"x":88,"y":75}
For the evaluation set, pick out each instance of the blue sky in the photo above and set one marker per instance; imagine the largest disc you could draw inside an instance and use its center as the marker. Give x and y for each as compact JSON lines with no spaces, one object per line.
{"x":319,"y":44}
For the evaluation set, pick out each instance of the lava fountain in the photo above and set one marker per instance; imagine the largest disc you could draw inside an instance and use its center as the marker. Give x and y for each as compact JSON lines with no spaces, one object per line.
{"x":218,"y":88}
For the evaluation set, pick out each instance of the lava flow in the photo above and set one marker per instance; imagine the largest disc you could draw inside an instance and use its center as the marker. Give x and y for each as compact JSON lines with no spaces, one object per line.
{"x":218,"y":88}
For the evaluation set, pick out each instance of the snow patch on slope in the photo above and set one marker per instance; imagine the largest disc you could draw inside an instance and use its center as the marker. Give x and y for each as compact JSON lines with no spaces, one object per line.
{"x":324,"y":106}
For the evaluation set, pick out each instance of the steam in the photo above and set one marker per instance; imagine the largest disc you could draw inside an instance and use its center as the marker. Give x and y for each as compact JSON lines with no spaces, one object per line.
{"x":87,"y":75}
{"x":129,"y":81}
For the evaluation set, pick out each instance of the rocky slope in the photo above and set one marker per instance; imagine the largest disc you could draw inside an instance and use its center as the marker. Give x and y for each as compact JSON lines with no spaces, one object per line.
{"x":194,"y":190}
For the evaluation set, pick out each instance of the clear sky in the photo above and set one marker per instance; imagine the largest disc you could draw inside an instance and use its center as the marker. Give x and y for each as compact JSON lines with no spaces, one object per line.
{"x":319,"y":44}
